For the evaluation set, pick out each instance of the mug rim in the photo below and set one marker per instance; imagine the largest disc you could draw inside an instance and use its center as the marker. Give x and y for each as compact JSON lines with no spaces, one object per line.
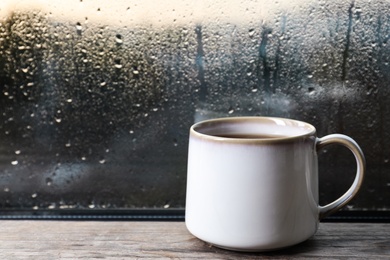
{"x":194,"y":132}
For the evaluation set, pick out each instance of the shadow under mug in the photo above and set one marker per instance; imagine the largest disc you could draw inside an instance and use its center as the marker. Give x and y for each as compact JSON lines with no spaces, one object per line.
{"x":252,"y":182}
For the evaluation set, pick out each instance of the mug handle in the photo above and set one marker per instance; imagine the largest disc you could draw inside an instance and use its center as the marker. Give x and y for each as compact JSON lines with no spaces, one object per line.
{"x":361,"y":166}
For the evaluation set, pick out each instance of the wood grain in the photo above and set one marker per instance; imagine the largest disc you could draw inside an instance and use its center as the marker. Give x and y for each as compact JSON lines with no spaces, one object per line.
{"x":171,"y":240}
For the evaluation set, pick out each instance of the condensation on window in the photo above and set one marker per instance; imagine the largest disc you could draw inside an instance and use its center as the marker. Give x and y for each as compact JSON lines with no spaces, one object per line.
{"x":97,"y":97}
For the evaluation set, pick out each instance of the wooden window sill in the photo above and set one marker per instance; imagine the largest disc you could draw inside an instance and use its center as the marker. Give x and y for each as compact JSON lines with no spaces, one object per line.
{"x":171,"y":240}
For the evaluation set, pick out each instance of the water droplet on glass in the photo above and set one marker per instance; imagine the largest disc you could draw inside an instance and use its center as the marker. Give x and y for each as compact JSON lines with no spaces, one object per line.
{"x":34,"y":195}
{"x":49,"y":181}
{"x":78,"y":27}
{"x":231,"y":111}
{"x":369,"y":92}
{"x":358,"y":10}
{"x":68,"y":144}
{"x":166,"y":206}
{"x":58,"y":120}
{"x":69,"y":100}
{"x":17,"y":152}
{"x":14,"y":162}
{"x":371,"y":123}
{"x":6,"y":189}
{"x":102,"y":161}
{"x":251,"y":32}
{"x":83,"y":158}
{"x":119,"y":39}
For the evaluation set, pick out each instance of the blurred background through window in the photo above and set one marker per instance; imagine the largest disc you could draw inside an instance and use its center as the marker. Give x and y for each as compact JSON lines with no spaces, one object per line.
{"x":97,"y":97}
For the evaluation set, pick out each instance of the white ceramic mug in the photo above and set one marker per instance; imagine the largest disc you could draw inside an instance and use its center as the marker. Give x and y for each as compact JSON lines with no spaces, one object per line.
{"x":253,"y":182}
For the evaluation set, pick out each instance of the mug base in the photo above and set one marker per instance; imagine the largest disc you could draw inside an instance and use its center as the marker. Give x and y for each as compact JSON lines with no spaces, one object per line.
{"x":255,"y":250}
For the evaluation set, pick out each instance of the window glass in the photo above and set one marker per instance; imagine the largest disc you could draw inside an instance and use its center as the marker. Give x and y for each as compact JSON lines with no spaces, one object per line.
{"x":97,"y":97}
